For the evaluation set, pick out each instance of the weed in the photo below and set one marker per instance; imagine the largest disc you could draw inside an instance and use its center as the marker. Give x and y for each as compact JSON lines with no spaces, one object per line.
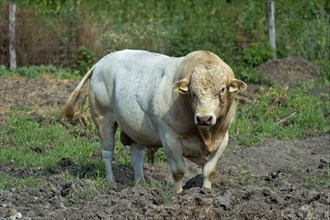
{"x":257,"y":53}
{"x":85,"y":189}
{"x":160,"y":156}
{"x":84,"y":59}
{"x":316,"y":179}
{"x":166,"y":192}
{"x":245,"y":176}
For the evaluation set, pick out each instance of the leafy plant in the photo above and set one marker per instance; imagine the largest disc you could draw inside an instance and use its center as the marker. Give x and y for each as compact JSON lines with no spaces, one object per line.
{"x":256,"y":54}
{"x":249,"y":75}
{"x":84,"y":59}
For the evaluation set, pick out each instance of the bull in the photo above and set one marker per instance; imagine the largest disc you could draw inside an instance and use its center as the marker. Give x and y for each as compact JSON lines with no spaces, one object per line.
{"x":184,"y":104}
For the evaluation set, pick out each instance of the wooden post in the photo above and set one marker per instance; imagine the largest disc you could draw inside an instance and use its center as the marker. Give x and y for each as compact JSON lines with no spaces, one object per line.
{"x":12,"y":49}
{"x":271,"y":25}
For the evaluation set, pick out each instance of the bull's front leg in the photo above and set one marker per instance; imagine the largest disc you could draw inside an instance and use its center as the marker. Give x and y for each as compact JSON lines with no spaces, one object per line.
{"x":173,"y":151}
{"x":178,"y":170}
{"x":209,"y":167}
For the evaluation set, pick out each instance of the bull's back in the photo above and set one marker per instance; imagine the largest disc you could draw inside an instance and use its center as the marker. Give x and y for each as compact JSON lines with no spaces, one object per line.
{"x":125,"y":83}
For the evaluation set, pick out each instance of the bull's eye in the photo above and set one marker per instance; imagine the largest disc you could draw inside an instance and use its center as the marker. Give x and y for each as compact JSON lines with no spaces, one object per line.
{"x":222,"y":91}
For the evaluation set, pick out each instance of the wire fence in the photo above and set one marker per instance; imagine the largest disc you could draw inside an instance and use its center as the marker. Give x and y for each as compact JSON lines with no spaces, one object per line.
{"x":59,"y":43}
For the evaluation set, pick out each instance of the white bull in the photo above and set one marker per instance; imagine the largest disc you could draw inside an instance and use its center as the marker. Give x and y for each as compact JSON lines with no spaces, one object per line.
{"x":184,"y":104}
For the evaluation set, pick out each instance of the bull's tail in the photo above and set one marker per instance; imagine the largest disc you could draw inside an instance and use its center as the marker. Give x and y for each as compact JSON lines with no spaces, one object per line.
{"x":71,"y":106}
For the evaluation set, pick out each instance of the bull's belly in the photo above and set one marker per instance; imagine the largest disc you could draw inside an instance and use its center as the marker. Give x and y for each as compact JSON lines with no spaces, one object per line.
{"x":140,"y":130}
{"x":144,"y":132}
{"x":142,"y":136}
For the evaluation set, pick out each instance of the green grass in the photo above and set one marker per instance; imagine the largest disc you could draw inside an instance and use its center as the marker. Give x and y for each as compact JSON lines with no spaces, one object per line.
{"x":9,"y":181}
{"x":26,"y":143}
{"x":39,"y":71}
{"x":244,"y":175}
{"x":315,"y":179}
{"x":85,"y":189}
{"x":280,"y":113}
{"x":166,"y":194}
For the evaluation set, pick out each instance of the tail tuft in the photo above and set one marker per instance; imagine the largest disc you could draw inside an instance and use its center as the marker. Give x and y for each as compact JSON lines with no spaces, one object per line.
{"x":69,"y":110}
{"x":71,"y":107}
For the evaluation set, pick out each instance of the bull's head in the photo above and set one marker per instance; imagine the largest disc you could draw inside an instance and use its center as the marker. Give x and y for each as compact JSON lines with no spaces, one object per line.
{"x":210,"y":90}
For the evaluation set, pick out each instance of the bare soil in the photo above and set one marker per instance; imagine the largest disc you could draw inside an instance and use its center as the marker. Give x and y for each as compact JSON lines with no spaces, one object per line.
{"x":275,"y":180}
{"x":289,"y":71}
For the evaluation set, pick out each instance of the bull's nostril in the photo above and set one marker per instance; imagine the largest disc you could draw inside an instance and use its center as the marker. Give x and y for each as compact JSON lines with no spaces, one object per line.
{"x":209,"y":119}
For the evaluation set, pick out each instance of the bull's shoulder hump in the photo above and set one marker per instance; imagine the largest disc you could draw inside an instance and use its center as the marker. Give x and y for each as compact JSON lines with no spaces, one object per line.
{"x":203,"y":57}
{"x":148,"y":62}
{"x":141,"y":54}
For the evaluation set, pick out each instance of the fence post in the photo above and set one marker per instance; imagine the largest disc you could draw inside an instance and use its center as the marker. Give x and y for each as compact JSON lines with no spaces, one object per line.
{"x":271,"y":25}
{"x":11,"y":30}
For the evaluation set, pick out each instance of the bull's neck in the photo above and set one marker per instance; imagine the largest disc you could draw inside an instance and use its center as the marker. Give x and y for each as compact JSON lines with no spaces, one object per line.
{"x":208,"y":138}
{"x":218,"y":131}
{"x":185,"y":101}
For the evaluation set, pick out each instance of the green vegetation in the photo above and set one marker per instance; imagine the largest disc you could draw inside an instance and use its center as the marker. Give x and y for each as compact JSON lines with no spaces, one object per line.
{"x":26,"y":142}
{"x":280,"y":113}
{"x":166,"y":193}
{"x":80,"y":32}
{"x":79,"y":190}
{"x":84,"y":60}
{"x":39,"y":71}
{"x":20,"y":183}
{"x":317,"y":179}
{"x":245,"y":176}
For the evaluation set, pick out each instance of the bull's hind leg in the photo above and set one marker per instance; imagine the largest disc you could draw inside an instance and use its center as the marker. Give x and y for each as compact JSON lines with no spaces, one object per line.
{"x":137,"y":152}
{"x":100,"y":108}
{"x":107,"y":135}
{"x":106,"y":128}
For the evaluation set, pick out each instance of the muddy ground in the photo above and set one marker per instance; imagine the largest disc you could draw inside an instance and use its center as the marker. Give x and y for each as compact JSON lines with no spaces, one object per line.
{"x":275,"y":180}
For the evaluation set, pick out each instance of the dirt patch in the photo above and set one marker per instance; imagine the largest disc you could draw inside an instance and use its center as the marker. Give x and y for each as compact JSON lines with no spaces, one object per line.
{"x":42,"y":95}
{"x":276,"y":180}
{"x":289,"y":71}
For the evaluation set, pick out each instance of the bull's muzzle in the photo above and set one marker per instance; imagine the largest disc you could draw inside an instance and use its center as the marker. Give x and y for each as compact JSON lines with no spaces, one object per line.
{"x":204,"y":120}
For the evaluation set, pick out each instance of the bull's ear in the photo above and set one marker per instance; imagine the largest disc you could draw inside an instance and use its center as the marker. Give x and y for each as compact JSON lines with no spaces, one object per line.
{"x":181,"y":86}
{"x":237,"y":85}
